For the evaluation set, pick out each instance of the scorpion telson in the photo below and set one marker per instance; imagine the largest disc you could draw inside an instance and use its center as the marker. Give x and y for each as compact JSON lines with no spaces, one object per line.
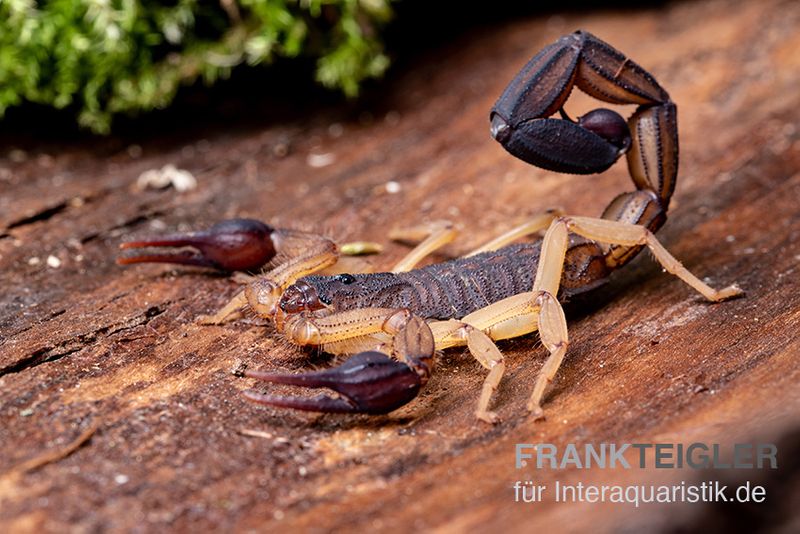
{"x":393,"y":322}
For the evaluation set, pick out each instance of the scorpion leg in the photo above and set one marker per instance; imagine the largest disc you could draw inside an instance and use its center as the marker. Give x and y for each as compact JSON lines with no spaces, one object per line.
{"x":554,"y":336}
{"x":230,"y":311}
{"x":486,"y":352}
{"x":512,"y":317}
{"x":523,"y":314}
{"x":627,"y":234}
{"x":347,"y":264}
{"x":369,"y":382}
{"x":539,"y":309}
{"x":432,"y":236}
{"x":535,"y":224}
{"x":435,"y":235}
{"x":552,"y":324}
{"x":527,"y":312}
{"x":546,"y":310}
{"x":482,"y":349}
{"x":359,"y":378}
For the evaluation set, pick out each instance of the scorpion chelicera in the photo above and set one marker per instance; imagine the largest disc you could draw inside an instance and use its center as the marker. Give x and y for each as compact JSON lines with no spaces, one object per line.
{"x":394,"y":322}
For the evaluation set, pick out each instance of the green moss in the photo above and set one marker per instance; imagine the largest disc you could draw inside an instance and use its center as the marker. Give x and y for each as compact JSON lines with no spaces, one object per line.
{"x":103,"y":57}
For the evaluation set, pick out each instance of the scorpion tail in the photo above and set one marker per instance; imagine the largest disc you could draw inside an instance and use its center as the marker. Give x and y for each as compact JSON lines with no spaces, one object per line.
{"x":231,"y":245}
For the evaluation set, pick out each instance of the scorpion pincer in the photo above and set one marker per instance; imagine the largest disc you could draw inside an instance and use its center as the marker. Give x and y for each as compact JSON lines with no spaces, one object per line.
{"x":394,"y":322}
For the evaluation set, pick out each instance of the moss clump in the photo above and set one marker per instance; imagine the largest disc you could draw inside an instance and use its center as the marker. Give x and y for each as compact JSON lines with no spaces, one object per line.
{"x":103,"y":57}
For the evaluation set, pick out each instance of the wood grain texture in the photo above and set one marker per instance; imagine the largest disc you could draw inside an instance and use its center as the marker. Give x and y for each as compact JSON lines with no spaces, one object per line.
{"x":92,"y":345}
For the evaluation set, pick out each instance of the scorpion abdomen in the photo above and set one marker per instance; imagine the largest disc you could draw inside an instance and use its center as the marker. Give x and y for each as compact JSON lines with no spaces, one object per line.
{"x":461,"y":286}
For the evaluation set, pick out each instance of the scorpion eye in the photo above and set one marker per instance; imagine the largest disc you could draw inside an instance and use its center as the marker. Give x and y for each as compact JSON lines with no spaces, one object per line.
{"x":346,"y":279}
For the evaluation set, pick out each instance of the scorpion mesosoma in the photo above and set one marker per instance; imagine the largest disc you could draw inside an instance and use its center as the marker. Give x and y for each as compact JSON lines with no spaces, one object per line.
{"x":395,"y":321}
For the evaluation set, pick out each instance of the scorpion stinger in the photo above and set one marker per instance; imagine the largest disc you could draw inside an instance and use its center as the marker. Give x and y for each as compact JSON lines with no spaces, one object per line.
{"x":592,"y":144}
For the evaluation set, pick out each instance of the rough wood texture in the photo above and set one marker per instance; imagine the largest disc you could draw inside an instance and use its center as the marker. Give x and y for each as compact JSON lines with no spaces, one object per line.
{"x":91,"y":346}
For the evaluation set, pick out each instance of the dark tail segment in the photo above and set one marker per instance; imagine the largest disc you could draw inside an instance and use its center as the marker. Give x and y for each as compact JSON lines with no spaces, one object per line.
{"x":653,"y":157}
{"x":519,"y":119}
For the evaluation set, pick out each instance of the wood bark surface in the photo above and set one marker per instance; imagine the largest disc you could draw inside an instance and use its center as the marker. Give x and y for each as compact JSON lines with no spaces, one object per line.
{"x":113,"y":356}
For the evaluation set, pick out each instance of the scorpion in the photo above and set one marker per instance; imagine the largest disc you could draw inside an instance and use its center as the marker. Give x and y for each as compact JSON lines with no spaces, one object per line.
{"x":392,"y":323}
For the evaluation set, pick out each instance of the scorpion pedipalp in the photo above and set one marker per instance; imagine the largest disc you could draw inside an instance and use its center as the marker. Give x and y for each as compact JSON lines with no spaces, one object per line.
{"x":231,"y":245}
{"x":370,"y":382}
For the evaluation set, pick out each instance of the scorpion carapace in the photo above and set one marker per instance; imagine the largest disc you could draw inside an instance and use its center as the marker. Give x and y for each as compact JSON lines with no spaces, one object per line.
{"x":393,"y":322}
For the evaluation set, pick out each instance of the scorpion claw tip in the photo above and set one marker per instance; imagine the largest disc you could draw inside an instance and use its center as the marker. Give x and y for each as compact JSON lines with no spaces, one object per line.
{"x":231,"y":245}
{"x":178,"y":258}
{"x":369,"y":382}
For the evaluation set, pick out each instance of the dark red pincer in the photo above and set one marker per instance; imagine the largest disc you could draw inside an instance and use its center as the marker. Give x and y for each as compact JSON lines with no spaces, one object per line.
{"x":370,"y":382}
{"x":231,"y":245}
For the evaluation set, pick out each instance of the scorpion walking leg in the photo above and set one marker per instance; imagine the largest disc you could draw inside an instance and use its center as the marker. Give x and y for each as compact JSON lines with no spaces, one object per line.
{"x":540,"y":310}
{"x":551,"y":321}
{"x":230,"y":311}
{"x":488,"y":355}
{"x":347,"y":264}
{"x":534,"y":310}
{"x":511,"y":317}
{"x":519,"y":315}
{"x":434,"y":236}
{"x":553,"y":333}
{"x":372,"y":382}
{"x":536,"y":224}
{"x":626,"y":234}
{"x":552,"y":324}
